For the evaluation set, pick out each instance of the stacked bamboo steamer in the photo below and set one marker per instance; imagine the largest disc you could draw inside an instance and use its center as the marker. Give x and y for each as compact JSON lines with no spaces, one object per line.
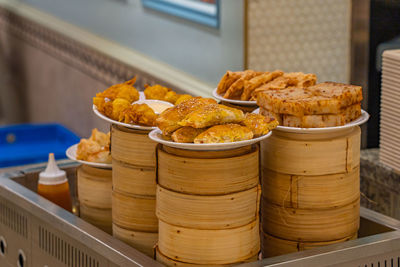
{"x":94,"y":194}
{"x":134,"y":188}
{"x":207,"y":206}
{"x":311,"y":189}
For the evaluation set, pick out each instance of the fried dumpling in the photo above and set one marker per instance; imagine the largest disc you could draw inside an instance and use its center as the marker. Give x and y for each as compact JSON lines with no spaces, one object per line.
{"x":259,"y":124}
{"x":156,"y":91}
{"x":224,"y":134}
{"x":212,"y":115}
{"x":118,"y":105}
{"x":168,"y":120}
{"x":140,"y":114}
{"x":186,"y":134}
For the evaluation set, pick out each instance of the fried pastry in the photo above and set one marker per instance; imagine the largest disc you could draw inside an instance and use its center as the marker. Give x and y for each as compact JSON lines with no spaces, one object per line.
{"x":259,"y":124}
{"x":182,"y":98}
{"x":210,"y":115}
{"x":118,"y":105}
{"x":123,"y":90}
{"x":227,"y":80}
{"x":186,"y":134}
{"x":140,"y":114}
{"x":171,"y":97}
{"x":168,"y":120}
{"x":95,"y":149}
{"x":224,"y":134}
{"x":236,"y":89}
{"x":252,"y":84}
{"x":155,"y":92}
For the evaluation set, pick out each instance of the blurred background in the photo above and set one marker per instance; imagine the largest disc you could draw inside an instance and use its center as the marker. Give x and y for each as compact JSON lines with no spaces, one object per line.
{"x":55,"y":55}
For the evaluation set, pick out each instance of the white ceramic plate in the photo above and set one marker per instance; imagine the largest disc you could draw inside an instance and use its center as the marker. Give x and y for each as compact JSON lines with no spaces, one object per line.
{"x":71,"y":154}
{"x":156,"y":136}
{"x":232,"y":101}
{"x":361,"y":120}
{"x":127,"y":125}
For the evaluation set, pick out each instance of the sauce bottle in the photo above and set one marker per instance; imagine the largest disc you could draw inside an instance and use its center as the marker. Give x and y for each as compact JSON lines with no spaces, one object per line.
{"x":53,"y":185}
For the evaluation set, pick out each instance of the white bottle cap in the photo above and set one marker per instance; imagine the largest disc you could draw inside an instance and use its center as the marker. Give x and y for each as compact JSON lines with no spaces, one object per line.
{"x":52,"y":174}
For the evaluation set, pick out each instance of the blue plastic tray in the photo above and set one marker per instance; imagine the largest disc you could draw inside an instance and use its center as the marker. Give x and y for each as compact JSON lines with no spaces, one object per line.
{"x":31,"y":143}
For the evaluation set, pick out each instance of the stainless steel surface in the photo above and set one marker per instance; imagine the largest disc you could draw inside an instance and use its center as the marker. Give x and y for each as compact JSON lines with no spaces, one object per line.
{"x":49,"y":235}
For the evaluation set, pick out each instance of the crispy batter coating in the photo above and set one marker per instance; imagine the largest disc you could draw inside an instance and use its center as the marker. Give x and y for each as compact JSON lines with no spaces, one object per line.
{"x":236,"y":89}
{"x":182,"y":98}
{"x":186,"y":134}
{"x":227,"y":80}
{"x":210,"y":115}
{"x":96,"y":148}
{"x":224,"y":134}
{"x":171,"y":97}
{"x":140,"y":114}
{"x":155,"y":92}
{"x":123,"y":90}
{"x":259,"y":124}
{"x":168,"y":120}
{"x":118,"y":105}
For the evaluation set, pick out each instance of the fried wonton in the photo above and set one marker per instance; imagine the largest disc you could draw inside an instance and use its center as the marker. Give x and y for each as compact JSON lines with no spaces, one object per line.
{"x":259,"y":124}
{"x":210,"y":115}
{"x":118,"y":105}
{"x":186,"y":134}
{"x":224,"y":134}
{"x":140,"y":114}
{"x":95,"y":149}
{"x":155,"y":92}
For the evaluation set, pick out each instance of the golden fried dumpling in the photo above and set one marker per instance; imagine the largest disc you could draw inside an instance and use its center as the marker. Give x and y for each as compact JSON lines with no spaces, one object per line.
{"x":224,"y":134}
{"x":155,"y":92}
{"x":186,"y":134}
{"x":169,"y":118}
{"x":259,"y":124}
{"x":171,"y":97}
{"x":140,"y":114}
{"x":123,"y":90}
{"x":96,"y":148}
{"x":101,"y":138}
{"x":128,"y":93}
{"x":212,"y":115}
{"x":182,"y":98}
{"x":118,"y":105}
{"x":87,"y":147}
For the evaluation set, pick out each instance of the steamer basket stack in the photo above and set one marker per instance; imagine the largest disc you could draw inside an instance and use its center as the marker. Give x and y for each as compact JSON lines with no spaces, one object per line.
{"x":134,"y":188}
{"x":94,"y":193}
{"x":207,"y":206}
{"x":311,"y":190}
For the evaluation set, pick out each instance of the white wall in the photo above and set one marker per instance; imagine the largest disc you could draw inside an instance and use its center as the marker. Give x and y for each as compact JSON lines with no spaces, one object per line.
{"x":206,"y":53}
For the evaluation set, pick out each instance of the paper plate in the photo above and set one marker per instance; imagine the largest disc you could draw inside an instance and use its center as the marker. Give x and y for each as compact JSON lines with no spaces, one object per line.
{"x":156,"y":136}
{"x":71,"y":154}
{"x":361,"y":120}
{"x":232,"y":101}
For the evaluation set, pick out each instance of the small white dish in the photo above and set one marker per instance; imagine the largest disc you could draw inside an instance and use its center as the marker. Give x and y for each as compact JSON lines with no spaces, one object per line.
{"x":155,"y":104}
{"x":71,"y":154}
{"x":156,"y":135}
{"x":232,"y":101}
{"x":361,"y":120}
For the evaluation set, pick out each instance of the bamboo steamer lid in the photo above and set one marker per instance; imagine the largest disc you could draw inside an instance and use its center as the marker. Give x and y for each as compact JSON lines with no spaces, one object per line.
{"x":134,"y":212}
{"x":142,"y":241}
{"x":94,"y":187}
{"x":133,"y":180}
{"x":132,"y":146}
{"x":208,"y":212}
{"x":311,"y":192}
{"x":170,"y":262}
{"x":297,"y":154}
{"x":310,"y":224}
{"x":100,"y":218}
{"x":272,"y":246}
{"x":208,"y":172}
{"x":209,"y":246}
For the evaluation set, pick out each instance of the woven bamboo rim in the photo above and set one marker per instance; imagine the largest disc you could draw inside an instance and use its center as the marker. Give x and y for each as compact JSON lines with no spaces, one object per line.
{"x":209,"y":246}
{"x":208,"y":176}
{"x":218,"y":154}
{"x":273,"y":246}
{"x":310,"y":224}
{"x":134,"y":213}
{"x":208,"y":212}
{"x":142,"y":241}
{"x":101,"y":218}
{"x":170,"y":262}
{"x":311,"y":192}
{"x":133,"y":180}
{"x":94,"y":187}
{"x":311,"y":157}
{"x":132,"y":146}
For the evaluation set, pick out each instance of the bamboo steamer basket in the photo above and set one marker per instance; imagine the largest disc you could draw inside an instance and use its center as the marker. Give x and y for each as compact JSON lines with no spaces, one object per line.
{"x":133,"y":180}
{"x":208,"y":172}
{"x":272,"y":246}
{"x":142,"y":241}
{"x":170,"y":262}
{"x":311,"y":192}
{"x":135,"y":213}
{"x":312,"y":154}
{"x":310,"y":224}
{"x":132,"y":146}
{"x":94,"y":187}
{"x":208,"y":212}
{"x":100,"y":218}
{"x":198,"y":246}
